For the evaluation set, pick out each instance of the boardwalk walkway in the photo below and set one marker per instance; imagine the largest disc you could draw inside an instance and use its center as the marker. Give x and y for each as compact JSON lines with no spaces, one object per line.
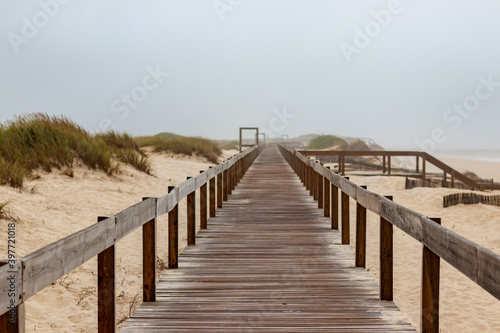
{"x":268,"y":262}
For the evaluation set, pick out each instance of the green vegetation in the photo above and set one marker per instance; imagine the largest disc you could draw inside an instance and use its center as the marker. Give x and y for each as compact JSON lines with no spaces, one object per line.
{"x":232,"y":144}
{"x":182,"y":145}
{"x":326,"y":141}
{"x":169,"y":135}
{"x":39,"y":141}
{"x":358,"y":145}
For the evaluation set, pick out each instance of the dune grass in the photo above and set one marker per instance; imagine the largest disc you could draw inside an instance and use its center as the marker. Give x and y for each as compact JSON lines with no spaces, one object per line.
{"x":232,"y":144}
{"x":182,"y":145}
{"x":38,"y":141}
{"x":326,"y":141}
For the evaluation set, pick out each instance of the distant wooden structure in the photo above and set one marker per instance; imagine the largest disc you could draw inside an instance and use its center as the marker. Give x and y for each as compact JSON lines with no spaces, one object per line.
{"x":243,"y":145}
{"x":470,"y":199}
{"x":420,"y":169}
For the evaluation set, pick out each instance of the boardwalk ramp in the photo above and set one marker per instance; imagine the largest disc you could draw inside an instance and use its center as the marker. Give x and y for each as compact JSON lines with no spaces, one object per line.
{"x":268,"y":262}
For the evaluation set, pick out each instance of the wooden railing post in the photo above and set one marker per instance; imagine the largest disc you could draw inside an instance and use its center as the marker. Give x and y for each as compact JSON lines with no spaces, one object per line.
{"x":149,"y":260}
{"x":335,"y":207}
{"x":212,"y":196}
{"x":203,"y":205}
{"x":235,"y":175}
{"x":320,"y":190}
{"x":191,"y":217}
{"x":418,"y":166}
{"x":360,"y":260}
{"x":173,"y":235}
{"x":307,"y":182}
{"x":312,"y":180}
{"x":423,"y":169}
{"x":315,"y":182}
{"x":326,"y":202}
{"x":384,"y":164}
{"x":106,"y":291}
{"x":386,"y":259}
{"x":225,"y":185}
{"x":388,"y":165}
{"x":430,"y":289}
{"x":345,"y":217}
{"x":12,"y":321}
{"x":219,"y":190}
{"x":231,"y":179}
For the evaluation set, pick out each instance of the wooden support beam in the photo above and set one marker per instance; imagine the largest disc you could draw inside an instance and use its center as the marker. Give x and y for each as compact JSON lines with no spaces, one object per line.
{"x":429,"y":305}
{"x":225,"y":185}
{"x":149,"y":260}
{"x":203,"y":205}
{"x":386,"y":259}
{"x":191,"y":217}
{"x":219,"y":190}
{"x":173,"y":235}
{"x":335,"y":207}
{"x":360,"y":258}
{"x":212,"y":196}
{"x":326,"y":195}
{"x":106,"y":291}
{"x":319,"y":191}
{"x":345,"y":217}
{"x":388,"y":165}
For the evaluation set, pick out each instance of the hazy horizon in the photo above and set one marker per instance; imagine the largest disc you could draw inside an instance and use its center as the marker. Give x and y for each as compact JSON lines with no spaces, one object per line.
{"x":409,"y":75}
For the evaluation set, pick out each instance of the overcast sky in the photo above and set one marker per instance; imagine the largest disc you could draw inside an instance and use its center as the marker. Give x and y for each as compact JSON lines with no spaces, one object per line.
{"x":409,"y":74}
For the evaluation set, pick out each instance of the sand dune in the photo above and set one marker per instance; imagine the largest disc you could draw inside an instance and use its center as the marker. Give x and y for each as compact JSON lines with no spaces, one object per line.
{"x":55,"y":206}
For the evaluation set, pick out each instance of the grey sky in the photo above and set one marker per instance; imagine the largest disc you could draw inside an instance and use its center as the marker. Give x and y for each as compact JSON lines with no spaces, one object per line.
{"x":275,"y":64}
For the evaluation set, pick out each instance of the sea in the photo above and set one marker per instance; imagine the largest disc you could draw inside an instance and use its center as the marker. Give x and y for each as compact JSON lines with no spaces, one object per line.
{"x":491,"y":155}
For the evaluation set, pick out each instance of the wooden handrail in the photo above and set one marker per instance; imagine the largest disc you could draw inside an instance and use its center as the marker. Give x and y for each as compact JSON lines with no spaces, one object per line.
{"x":44,"y":266}
{"x":388,"y":153}
{"x":474,"y":261}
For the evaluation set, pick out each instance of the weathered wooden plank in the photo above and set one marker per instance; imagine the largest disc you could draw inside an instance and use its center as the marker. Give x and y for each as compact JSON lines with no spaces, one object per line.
{"x":402,"y":217}
{"x":173,"y":234}
{"x":386,"y":259}
{"x":186,"y":187}
{"x":191,"y":218}
{"x":203,"y":206}
{"x":48,"y":264}
{"x":429,"y":308}
{"x":106,"y":289}
{"x":368,"y":199}
{"x":360,"y":258}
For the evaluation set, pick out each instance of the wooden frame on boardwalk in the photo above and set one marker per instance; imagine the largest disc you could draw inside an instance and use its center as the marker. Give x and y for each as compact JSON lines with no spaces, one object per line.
{"x":41,"y":268}
{"x":474,"y":261}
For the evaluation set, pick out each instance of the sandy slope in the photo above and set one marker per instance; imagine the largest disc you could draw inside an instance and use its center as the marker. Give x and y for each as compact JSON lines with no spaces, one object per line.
{"x":56,"y":206}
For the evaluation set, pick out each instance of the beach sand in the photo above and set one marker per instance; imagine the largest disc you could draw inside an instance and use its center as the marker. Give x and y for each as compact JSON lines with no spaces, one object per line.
{"x":56,"y":206}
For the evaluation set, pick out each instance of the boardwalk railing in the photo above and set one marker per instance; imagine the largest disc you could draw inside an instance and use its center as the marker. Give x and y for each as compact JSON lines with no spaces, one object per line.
{"x":476,"y":262}
{"x":22,"y":278}
{"x":386,"y":164}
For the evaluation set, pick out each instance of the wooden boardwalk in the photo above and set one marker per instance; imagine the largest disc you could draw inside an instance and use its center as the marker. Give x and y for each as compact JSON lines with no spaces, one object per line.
{"x":269,"y":262}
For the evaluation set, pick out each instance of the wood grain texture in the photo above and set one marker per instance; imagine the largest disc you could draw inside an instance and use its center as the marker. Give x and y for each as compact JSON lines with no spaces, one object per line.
{"x":429,"y":305}
{"x":203,"y":206}
{"x":268,"y":263}
{"x":360,"y":258}
{"x":386,"y":259}
{"x":48,"y":264}
{"x":106,"y":289}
